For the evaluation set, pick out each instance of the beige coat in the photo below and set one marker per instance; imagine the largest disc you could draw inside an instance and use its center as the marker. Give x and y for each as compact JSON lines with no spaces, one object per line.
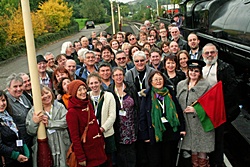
{"x":108,"y":114}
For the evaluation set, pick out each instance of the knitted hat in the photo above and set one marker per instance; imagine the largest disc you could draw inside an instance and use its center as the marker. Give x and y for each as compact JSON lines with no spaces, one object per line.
{"x":74,"y":85}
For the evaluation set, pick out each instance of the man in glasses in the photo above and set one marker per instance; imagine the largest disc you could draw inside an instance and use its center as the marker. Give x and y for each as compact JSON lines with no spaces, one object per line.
{"x":140,"y":73}
{"x":121,"y":60}
{"x":193,"y":43}
{"x":216,"y":70}
{"x":175,"y":33}
{"x":132,"y":39}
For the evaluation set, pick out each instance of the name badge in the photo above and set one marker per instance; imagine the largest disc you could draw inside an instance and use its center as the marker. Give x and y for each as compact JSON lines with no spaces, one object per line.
{"x":164,"y":120}
{"x":19,"y":143}
{"x":50,"y":131}
{"x":122,"y":113}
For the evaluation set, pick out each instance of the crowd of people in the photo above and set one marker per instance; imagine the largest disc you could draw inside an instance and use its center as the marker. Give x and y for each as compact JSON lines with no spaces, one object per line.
{"x":122,"y":100}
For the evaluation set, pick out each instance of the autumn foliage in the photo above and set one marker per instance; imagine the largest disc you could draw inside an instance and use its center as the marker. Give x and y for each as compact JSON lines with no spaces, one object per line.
{"x":51,"y":16}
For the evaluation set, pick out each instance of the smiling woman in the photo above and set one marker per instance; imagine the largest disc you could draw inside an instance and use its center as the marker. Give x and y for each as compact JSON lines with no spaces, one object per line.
{"x":161,"y":122}
{"x":104,"y":105}
{"x":196,"y":140}
{"x":82,"y":123}
{"x":12,"y":154}
{"x":53,"y":117}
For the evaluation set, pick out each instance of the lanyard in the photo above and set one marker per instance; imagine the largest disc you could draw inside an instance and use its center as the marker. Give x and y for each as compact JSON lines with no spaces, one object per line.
{"x":162,"y":105}
{"x":140,"y":82}
{"x":21,"y":102}
{"x":209,"y":70}
{"x":96,"y":102}
{"x":120,"y":97}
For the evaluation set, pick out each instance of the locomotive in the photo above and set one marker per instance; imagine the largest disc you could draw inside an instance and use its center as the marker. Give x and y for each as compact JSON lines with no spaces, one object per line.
{"x":225,"y":23}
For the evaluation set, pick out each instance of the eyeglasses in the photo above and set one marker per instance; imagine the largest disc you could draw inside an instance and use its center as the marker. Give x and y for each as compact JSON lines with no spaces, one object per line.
{"x":174,"y":32}
{"x":192,"y":70}
{"x":132,"y":39}
{"x":121,"y":58}
{"x":137,"y":61}
{"x":211,"y":52}
{"x":118,"y":75}
{"x":157,"y":80}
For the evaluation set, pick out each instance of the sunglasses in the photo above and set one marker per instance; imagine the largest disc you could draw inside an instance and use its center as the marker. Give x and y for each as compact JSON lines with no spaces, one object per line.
{"x":121,"y":58}
{"x":132,"y":39}
{"x":192,"y":70}
{"x":137,"y":61}
{"x":211,"y":52}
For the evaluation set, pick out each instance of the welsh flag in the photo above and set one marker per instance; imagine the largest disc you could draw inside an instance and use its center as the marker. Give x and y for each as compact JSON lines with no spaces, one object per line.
{"x":210,"y":108}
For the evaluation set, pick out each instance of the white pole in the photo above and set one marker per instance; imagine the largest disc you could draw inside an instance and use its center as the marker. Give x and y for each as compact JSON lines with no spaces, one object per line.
{"x":157,"y":6}
{"x":31,"y":53}
{"x":112,"y":15}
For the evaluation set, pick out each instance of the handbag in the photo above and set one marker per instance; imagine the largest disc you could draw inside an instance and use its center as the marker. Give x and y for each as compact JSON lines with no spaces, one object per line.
{"x":71,"y":157}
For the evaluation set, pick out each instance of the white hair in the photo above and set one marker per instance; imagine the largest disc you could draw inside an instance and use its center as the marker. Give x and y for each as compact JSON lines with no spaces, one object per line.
{"x":65,"y":45}
{"x":139,"y":54}
{"x":81,"y":53}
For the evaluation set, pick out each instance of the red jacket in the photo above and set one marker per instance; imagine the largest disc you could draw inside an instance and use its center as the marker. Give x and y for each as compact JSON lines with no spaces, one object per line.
{"x":77,"y":118}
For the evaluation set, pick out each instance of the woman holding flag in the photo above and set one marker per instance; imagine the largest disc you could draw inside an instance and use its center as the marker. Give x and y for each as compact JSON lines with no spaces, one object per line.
{"x":199,"y":139}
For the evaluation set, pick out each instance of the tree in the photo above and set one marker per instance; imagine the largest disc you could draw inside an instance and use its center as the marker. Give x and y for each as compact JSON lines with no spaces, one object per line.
{"x":93,"y":10}
{"x":15,"y":28}
{"x":7,"y":7}
{"x":57,"y":14}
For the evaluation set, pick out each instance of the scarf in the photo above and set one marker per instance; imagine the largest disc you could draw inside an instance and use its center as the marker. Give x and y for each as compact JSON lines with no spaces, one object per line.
{"x":99,"y":107}
{"x":157,"y":113}
{"x":7,"y":120}
{"x":65,"y":99}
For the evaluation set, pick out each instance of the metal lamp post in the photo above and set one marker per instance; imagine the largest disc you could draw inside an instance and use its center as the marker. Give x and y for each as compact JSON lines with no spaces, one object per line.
{"x":119,"y":16}
{"x":157,"y":7}
{"x":112,"y":15}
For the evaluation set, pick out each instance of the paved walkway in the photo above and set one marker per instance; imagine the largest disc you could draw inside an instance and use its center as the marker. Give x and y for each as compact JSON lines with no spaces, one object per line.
{"x":20,"y":64}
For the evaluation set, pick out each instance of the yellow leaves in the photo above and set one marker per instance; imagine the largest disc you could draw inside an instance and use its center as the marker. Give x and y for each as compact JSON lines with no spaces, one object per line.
{"x":56,"y":13}
{"x":52,"y":16}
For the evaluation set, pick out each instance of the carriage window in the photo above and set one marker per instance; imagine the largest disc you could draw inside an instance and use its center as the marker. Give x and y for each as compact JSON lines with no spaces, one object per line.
{"x":189,"y":8}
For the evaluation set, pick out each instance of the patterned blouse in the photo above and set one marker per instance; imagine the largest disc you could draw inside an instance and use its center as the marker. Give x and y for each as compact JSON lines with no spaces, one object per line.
{"x":127,"y":125}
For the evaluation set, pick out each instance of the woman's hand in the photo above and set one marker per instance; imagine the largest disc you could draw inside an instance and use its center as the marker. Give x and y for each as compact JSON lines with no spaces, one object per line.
{"x":37,"y":117}
{"x":22,"y":158}
{"x":45,"y":120}
{"x":83,"y":163}
{"x":189,"y":109}
{"x":59,"y":97}
{"x":102,"y":129}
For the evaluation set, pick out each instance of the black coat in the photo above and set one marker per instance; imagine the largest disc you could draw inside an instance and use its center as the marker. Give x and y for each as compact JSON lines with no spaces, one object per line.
{"x":8,"y":143}
{"x":226,"y":74}
{"x":146,"y":130}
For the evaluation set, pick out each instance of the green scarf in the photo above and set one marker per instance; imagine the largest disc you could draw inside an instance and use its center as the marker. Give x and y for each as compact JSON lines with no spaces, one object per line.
{"x":99,"y":107}
{"x":156,"y":112}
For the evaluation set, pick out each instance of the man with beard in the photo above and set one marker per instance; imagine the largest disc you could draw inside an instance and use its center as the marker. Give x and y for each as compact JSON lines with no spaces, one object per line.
{"x":193,"y":43}
{"x":216,"y":70}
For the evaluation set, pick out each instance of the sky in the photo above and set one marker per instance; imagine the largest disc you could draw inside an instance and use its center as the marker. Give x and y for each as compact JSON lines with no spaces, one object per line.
{"x":125,"y":1}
